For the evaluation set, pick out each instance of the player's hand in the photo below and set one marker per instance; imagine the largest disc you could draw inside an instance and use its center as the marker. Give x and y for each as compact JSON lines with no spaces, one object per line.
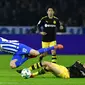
{"x":59,"y":46}
{"x":43,"y":33}
{"x":61,"y":27}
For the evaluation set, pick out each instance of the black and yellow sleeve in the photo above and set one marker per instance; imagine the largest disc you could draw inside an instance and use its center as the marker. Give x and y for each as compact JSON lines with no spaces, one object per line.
{"x":41,"y":23}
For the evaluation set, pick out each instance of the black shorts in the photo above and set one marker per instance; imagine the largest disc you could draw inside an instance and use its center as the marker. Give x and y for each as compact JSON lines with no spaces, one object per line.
{"x":76,"y":70}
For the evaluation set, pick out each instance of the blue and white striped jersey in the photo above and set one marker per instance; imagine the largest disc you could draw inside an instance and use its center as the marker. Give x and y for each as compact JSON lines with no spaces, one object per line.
{"x":10,"y":46}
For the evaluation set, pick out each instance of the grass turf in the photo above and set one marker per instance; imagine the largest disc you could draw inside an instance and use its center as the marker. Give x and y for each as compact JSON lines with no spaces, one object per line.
{"x":9,"y":76}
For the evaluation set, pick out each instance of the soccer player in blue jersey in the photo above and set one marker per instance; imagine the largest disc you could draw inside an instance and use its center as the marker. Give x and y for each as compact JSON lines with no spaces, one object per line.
{"x":21,"y":52}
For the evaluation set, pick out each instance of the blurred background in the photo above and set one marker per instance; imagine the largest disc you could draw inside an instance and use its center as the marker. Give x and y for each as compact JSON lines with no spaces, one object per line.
{"x":28,"y":12}
{"x":18,"y":18}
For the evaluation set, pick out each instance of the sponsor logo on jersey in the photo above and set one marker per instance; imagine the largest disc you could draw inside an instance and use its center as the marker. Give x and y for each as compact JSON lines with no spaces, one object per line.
{"x":49,"y":25}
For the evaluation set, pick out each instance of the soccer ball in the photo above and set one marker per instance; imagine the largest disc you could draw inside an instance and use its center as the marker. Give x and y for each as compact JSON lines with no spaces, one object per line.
{"x":26,"y":73}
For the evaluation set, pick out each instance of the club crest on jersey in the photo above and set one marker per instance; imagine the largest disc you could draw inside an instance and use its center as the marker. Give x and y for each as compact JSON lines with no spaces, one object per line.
{"x":24,"y":50}
{"x":54,"y":22}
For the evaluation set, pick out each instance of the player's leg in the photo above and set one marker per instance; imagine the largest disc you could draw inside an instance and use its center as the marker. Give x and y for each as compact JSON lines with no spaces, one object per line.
{"x":41,"y":71}
{"x":54,"y":57}
{"x":38,"y":65}
{"x":17,"y":60}
{"x":53,"y":52}
{"x":35,"y":66}
{"x":31,"y":51}
{"x":46,"y":67}
{"x":52,"y":46}
{"x":51,"y":67}
{"x":28,"y":50}
{"x":44,"y":45}
{"x":42,"y":50}
{"x":43,"y":68}
{"x":36,"y":52}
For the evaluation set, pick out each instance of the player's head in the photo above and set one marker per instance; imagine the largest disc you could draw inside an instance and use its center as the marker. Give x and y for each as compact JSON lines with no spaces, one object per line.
{"x":50,"y":11}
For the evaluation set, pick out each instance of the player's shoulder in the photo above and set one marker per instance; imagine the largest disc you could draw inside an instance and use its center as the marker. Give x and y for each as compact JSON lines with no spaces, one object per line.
{"x":44,"y":17}
{"x":55,"y":17}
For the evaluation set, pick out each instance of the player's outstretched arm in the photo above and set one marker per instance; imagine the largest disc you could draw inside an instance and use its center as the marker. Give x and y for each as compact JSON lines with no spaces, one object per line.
{"x":43,"y":50}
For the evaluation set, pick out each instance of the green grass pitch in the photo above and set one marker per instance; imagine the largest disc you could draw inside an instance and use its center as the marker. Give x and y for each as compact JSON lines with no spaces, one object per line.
{"x":9,"y":76}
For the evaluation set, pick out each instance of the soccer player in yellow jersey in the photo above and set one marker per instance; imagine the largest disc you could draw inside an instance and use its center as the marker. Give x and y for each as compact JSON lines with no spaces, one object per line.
{"x":48,"y":26}
{"x":77,"y":70}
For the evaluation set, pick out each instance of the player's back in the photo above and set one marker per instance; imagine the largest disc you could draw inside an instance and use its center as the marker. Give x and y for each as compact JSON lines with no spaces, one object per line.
{"x":13,"y":46}
{"x":10,"y":46}
{"x":3,"y":40}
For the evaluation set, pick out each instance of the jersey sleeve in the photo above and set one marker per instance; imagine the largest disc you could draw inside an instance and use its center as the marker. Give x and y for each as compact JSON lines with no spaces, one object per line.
{"x":58,"y":25}
{"x":40,"y":25}
{"x":5,"y":40}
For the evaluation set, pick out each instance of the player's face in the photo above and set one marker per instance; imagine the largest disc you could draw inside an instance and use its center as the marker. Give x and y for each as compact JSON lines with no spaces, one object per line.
{"x":50,"y":12}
